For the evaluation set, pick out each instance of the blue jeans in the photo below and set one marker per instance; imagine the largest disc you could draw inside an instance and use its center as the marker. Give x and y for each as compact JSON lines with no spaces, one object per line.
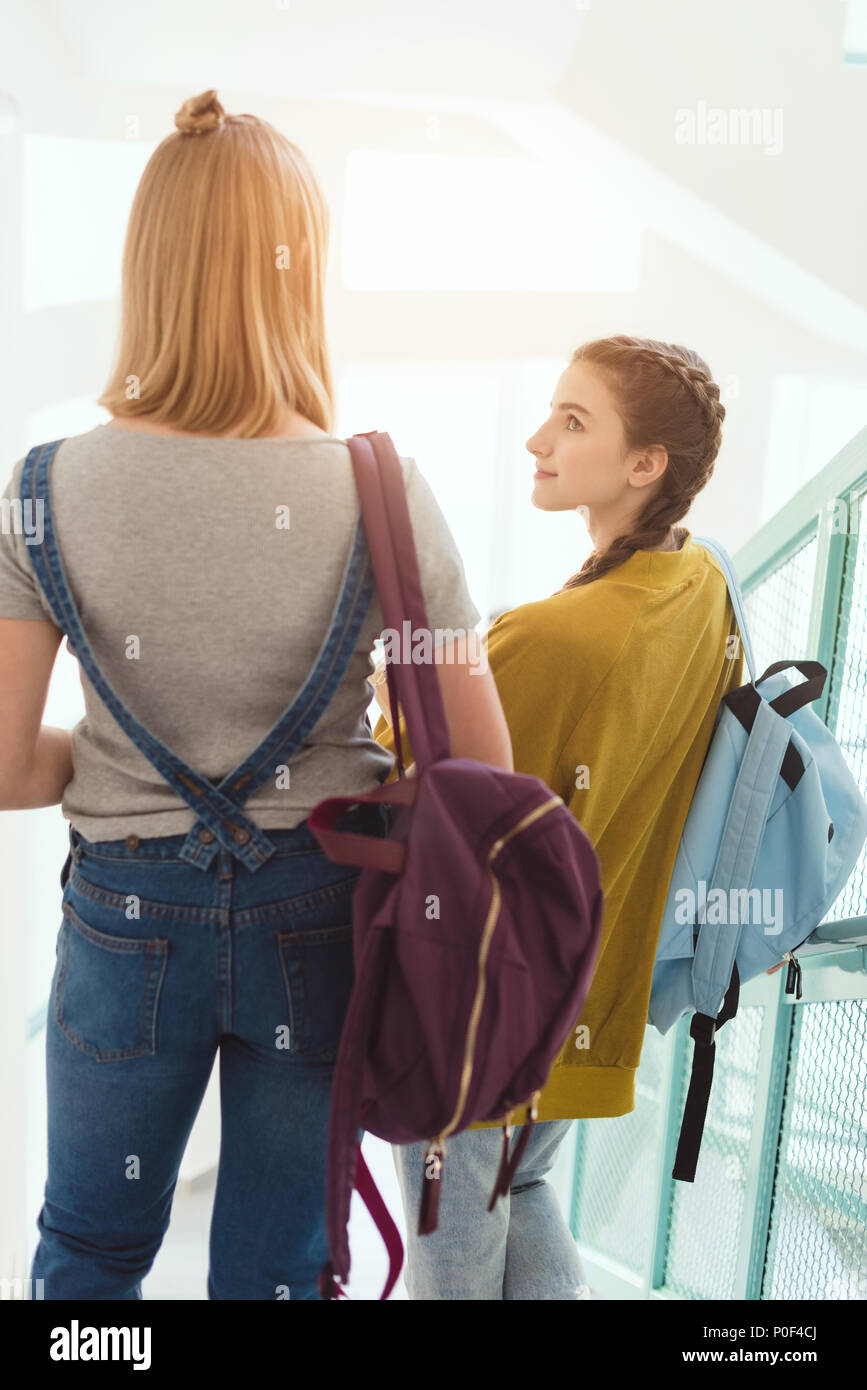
{"x":161,"y":965}
{"x":230,"y":938}
{"x":523,"y":1249}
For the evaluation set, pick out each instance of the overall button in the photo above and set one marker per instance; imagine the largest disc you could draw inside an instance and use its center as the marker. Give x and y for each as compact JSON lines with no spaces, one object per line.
{"x":240,"y":836}
{"x":206,"y":836}
{"x":132,"y":841}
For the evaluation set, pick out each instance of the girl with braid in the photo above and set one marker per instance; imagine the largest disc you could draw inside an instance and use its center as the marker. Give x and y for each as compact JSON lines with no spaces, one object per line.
{"x":610,"y":688}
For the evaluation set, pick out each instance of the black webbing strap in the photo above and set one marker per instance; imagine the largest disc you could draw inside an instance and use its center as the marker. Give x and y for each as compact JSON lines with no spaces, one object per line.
{"x":702,"y":1030}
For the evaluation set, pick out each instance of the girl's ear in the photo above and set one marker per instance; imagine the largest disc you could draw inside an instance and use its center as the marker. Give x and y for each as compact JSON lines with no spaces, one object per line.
{"x":651,"y":464}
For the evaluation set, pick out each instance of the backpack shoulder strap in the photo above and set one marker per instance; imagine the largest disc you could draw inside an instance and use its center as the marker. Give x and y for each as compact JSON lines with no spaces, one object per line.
{"x":383,"y":1220}
{"x":345,"y":1166}
{"x":727,"y":568}
{"x":387,"y":522}
{"x":329,"y":1285}
{"x":738,"y":852}
{"x":714,"y":966}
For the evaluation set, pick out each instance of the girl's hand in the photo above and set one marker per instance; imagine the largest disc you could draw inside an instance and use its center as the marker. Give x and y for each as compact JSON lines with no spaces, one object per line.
{"x":379,"y":681}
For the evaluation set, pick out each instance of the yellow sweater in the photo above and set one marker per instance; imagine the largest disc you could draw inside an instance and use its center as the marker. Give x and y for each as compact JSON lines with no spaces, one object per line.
{"x":610,"y":692}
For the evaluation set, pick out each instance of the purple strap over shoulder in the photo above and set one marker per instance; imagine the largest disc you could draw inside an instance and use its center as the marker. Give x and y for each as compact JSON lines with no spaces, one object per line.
{"x":414,"y":687}
{"x":388,"y":527}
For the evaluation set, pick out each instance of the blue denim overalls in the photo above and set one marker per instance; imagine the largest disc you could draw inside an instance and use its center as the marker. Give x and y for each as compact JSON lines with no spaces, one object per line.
{"x":172,"y":949}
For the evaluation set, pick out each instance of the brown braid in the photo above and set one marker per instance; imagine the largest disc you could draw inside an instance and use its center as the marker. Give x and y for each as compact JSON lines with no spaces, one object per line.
{"x":665,"y":395}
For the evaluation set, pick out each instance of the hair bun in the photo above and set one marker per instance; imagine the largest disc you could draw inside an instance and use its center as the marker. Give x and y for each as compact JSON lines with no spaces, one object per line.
{"x":201,"y":113}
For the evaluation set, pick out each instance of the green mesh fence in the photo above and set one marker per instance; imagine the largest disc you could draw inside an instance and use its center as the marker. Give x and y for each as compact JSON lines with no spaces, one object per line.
{"x":818,"y":1247}
{"x":778,"y":1209}
{"x":847,"y":713}
{"x":706,"y":1215}
{"x":616,"y":1197}
{"x":778,"y":610}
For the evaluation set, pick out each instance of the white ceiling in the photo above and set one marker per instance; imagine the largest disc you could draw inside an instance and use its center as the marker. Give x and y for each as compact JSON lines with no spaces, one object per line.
{"x":622,"y":67}
{"x":639,"y":62}
{"x":330,"y":49}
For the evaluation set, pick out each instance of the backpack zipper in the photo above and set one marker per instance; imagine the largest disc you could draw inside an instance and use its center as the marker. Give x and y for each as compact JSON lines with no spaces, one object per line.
{"x":484,"y":946}
{"x":793,"y":974}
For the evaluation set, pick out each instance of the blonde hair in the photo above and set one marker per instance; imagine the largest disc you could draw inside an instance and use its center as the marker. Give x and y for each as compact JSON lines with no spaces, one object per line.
{"x":222,"y":320}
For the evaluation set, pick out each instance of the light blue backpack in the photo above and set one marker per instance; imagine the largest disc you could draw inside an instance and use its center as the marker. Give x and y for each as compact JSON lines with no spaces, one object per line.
{"x":775,"y":828}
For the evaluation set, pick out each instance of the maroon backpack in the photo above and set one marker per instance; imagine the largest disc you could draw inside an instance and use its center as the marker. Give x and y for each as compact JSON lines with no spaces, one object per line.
{"x":476,"y":924}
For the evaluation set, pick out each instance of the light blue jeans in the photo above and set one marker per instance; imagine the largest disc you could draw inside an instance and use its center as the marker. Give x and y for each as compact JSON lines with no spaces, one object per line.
{"x":523,"y":1249}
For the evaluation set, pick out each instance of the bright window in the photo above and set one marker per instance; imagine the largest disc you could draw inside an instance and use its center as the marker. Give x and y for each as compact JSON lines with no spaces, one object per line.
{"x":75,"y":199}
{"x":443,"y":222}
{"x":811,"y":419}
{"x":856,"y":32}
{"x":466,"y":425}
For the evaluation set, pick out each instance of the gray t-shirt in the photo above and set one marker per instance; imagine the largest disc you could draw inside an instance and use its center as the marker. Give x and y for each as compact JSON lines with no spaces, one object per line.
{"x":176,"y":542}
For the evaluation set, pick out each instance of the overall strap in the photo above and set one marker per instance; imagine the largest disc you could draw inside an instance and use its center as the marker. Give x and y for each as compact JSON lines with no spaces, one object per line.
{"x":308,"y":706}
{"x":220,"y":822}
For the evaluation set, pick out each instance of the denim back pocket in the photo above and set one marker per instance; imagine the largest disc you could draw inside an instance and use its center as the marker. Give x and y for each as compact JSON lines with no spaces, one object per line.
{"x":107,"y":990}
{"x":318,"y":973}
